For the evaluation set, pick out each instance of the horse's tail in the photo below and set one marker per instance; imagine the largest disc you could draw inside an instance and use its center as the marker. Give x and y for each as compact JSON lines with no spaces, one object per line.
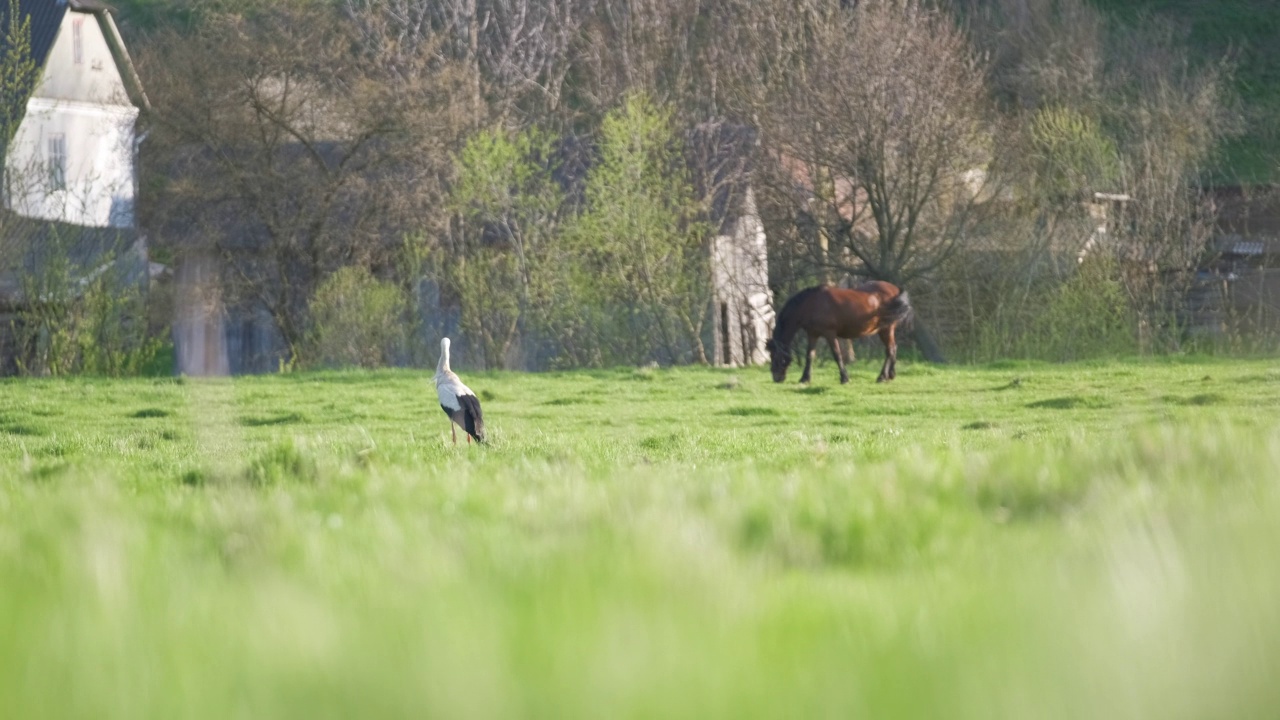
{"x":898,"y":311}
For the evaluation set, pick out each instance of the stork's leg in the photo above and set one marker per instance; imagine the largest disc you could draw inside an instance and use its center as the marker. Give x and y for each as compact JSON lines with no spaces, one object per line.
{"x":468,"y":439}
{"x":453,"y":430}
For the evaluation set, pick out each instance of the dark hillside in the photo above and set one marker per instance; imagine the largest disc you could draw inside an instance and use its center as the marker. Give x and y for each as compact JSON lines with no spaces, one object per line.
{"x":1247,"y":31}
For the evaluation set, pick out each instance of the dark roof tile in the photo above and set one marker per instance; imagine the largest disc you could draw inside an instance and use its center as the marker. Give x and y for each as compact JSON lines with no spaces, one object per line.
{"x":46,"y":17}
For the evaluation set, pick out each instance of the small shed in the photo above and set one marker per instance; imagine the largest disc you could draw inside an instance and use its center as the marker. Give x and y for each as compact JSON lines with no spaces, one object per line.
{"x":1236,"y":291}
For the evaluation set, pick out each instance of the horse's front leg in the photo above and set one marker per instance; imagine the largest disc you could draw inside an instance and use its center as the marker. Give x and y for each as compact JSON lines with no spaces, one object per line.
{"x":808,"y":358}
{"x":890,"y":369}
{"x":834,"y":342}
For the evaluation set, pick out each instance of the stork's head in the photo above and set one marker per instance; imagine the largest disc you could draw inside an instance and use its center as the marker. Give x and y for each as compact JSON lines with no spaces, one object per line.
{"x":779,"y":359}
{"x":444,"y":345}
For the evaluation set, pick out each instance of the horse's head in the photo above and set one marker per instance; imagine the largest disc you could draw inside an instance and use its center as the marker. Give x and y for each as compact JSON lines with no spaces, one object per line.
{"x":779,"y":359}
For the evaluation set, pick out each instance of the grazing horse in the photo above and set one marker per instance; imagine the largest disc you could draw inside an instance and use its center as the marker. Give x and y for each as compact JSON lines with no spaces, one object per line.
{"x":832,"y":313}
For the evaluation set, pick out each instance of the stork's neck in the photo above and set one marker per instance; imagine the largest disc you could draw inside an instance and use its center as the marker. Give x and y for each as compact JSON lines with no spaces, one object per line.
{"x":442,"y":367}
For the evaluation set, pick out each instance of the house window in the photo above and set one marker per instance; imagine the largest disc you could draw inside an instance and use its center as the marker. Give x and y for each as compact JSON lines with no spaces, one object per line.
{"x":77,"y":39}
{"x":58,"y":162}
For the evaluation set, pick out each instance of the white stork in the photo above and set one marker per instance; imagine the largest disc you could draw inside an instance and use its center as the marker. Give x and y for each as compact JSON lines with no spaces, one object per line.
{"x":458,"y":402}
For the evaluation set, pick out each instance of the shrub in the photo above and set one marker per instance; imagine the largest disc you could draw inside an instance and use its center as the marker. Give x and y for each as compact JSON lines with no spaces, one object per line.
{"x":1087,"y":316}
{"x":355,"y":321}
{"x":76,"y":321}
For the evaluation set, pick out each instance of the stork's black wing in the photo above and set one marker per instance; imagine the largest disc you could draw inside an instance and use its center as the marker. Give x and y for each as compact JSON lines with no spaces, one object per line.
{"x":473,"y":421}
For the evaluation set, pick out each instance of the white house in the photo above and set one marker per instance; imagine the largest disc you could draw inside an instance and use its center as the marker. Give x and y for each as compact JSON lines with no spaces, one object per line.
{"x":72,"y":158}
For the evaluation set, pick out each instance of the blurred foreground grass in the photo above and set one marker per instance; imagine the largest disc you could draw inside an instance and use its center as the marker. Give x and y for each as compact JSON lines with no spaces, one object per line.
{"x":1013,"y":540}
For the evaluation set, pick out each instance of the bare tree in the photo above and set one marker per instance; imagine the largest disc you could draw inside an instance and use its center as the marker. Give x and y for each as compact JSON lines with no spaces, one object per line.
{"x":1169,"y":119}
{"x":878,"y":118}
{"x":1042,"y":52}
{"x":1100,"y":106}
{"x":529,"y":48}
{"x":519,"y":52}
{"x":675,"y":51}
{"x":291,"y":154}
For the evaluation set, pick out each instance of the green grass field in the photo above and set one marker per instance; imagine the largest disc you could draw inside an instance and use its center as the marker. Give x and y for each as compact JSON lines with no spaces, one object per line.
{"x":1012,"y":540}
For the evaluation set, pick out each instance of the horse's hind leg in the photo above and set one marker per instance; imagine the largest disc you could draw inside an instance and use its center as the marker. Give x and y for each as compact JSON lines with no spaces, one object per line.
{"x":893,"y":344}
{"x":834,"y":342}
{"x":890,"y":369}
{"x":808,"y":358}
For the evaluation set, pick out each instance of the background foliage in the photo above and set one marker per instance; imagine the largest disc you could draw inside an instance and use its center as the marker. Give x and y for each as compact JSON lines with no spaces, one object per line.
{"x":532,"y":176}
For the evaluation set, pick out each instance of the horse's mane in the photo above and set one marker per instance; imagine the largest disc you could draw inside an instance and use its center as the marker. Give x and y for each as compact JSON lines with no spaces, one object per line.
{"x":784,"y":329}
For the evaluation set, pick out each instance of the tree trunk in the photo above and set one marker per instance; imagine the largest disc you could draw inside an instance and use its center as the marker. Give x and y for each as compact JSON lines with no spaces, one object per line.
{"x":473,"y":49}
{"x":926,"y":342}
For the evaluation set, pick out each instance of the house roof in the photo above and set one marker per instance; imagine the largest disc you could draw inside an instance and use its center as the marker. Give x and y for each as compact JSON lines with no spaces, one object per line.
{"x":1246,"y":246}
{"x":46,"y":19}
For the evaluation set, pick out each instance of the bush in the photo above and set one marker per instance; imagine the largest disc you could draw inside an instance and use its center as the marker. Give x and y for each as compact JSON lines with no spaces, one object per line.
{"x":74,"y":322}
{"x":1087,"y":316}
{"x":1057,"y":313}
{"x":355,"y":320}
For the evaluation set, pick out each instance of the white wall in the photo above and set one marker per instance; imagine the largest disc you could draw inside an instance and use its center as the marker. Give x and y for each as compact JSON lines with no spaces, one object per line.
{"x":95,"y":79}
{"x":85,"y":102}
{"x":740,"y":278}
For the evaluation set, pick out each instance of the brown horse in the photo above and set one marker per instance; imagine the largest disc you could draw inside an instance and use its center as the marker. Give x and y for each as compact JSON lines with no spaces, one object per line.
{"x":832,"y":313}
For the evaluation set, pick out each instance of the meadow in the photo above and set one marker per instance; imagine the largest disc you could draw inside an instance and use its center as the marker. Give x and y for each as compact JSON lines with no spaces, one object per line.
{"x":1007,"y":540}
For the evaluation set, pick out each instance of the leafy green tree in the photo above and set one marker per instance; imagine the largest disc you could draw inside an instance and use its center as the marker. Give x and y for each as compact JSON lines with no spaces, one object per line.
{"x":504,"y":261}
{"x":642,"y":264}
{"x":17,"y":73}
{"x":1071,"y":153}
